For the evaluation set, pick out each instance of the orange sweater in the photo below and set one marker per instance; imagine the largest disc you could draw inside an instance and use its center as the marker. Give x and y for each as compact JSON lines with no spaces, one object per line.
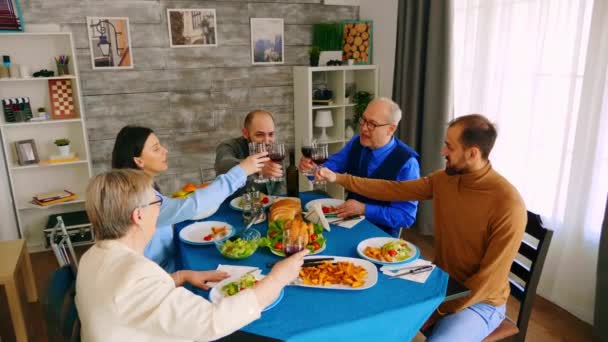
{"x":479,"y":220}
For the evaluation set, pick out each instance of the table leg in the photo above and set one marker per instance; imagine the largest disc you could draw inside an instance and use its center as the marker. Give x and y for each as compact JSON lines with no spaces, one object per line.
{"x":14,"y":304}
{"x":28,"y":276}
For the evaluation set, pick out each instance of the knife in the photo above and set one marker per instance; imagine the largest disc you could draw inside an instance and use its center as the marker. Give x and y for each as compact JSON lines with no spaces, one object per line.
{"x":420,"y":269}
{"x":346,"y":219}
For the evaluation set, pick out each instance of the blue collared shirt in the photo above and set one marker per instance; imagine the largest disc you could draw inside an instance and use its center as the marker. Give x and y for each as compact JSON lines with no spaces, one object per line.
{"x":161,"y":248}
{"x":396,"y":214}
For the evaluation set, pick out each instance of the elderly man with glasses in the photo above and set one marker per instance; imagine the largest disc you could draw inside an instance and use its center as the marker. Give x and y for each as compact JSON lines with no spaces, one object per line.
{"x":376,"y":153}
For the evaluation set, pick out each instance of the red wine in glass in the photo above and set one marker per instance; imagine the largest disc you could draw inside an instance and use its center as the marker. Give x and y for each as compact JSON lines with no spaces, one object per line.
{"x":277,"y":157}
{"x":307,"y":151}
{"x":319,"y":160}
{"x":290,"y":250}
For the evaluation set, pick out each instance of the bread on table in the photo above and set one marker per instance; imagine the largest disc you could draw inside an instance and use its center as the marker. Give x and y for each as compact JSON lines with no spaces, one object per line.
{"x":286,"y":209}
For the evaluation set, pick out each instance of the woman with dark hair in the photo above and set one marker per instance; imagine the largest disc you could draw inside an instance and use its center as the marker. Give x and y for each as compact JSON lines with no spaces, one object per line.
{"x":139,"y":148}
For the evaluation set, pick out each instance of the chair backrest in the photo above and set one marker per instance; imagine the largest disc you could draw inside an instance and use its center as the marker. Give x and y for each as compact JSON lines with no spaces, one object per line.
{"x":529,"y":274}
{"x":60,"y":307}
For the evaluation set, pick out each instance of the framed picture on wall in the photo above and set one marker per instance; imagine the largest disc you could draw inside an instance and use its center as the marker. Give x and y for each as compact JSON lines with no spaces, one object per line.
{"x":192,"y":27}
{"x":267,"y":41}
{"x":11,"y":19}
{"x":110,"y":43}
{"x":358,"y":38}
{"x":26,"y":152}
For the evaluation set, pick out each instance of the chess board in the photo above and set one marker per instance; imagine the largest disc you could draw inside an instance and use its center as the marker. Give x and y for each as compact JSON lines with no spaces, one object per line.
{"x":62,"y":99}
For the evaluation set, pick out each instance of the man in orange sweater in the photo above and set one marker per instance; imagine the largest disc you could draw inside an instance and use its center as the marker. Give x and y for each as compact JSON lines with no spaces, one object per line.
{"x":479,"y":220}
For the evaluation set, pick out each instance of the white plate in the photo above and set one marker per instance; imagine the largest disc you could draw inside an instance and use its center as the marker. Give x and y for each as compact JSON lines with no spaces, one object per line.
{"x":372,"y":275}
{"x":379,"y":242}
{"x":327,"y":202}
{"x":234,"y":203}
{"x":281,"y":254}
{"x":216,"y":295}
{"x":194,"y":233}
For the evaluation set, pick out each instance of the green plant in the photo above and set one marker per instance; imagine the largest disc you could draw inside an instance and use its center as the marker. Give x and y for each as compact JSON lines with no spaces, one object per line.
{"x":361,"y":99}
{"x":328,"y":36}
{"x":41,"y":110}
{"x":62,"y":142}
{"x":314,"y":52}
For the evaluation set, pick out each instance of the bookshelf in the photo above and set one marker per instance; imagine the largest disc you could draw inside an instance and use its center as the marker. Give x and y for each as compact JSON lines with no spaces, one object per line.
{"x":336,"y":79}
{"x":37,"y":50}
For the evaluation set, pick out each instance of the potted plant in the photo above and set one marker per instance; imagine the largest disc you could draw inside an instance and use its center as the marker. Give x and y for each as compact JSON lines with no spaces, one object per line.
{"x":64,"y":146}
{"x":313,"y":54}
{"x":361,"y":99}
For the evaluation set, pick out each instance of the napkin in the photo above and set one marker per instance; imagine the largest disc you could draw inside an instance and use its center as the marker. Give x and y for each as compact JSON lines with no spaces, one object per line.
{"x":391,"y":270}
{"x":347,"y":224}
{"x":315,"y":215}
{"x":234,"y":271}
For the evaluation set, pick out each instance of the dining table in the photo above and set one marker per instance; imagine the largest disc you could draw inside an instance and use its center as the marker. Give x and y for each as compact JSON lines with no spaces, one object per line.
{"x":391,"y":310}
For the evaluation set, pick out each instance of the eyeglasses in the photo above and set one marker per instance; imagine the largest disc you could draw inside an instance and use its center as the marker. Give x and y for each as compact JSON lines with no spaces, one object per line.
{"x":159,"y":201}
{"x":370,"y":125}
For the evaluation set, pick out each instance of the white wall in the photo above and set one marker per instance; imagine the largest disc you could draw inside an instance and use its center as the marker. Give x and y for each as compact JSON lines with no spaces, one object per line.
{"x":384,"y":15}
{"x":8,"y":225}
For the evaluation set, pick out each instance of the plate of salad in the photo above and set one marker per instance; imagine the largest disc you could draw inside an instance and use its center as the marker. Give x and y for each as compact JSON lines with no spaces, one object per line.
{"x":238,"y":202}
{"x":274,"y":238}
{"x":233,"y":285}
{"x":388,"y":250}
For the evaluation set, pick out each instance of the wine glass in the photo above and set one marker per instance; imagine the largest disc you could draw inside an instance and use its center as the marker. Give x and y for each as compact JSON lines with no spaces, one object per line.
{"x":276,"y":153}
{"x":320,"y":154}
{"x":258,"y":148}
{"x":293,"y":242}
{"x":307,"y":147}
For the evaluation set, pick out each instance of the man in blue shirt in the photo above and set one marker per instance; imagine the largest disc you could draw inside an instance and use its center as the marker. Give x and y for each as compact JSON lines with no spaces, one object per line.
{"x":376,"y":153}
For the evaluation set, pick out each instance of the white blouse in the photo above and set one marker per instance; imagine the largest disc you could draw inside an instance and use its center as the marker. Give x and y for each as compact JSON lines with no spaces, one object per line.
{"x":122,"y":296}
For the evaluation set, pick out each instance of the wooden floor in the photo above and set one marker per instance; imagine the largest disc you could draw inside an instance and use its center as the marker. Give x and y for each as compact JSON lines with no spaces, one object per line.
{"x":548,"y":323}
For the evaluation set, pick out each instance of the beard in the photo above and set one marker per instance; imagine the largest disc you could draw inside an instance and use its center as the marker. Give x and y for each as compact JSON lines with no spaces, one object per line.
{"x":452,"y":170}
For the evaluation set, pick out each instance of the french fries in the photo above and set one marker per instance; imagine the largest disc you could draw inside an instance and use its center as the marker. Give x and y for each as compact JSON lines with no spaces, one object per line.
{"x":340,"y":273}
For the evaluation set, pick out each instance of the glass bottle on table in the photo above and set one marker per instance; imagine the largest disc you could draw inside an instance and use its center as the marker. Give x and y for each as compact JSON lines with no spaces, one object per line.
{"x":258,"y":148}
{"x":292,"y":177}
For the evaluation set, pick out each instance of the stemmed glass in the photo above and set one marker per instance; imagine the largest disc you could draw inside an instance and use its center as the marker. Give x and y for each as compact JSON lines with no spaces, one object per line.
{"x":293,"y":242}
{"x":276,"y":153}
{"x":307,"y":146}
{"x":320,"y":154}
{"x":258,"y":148}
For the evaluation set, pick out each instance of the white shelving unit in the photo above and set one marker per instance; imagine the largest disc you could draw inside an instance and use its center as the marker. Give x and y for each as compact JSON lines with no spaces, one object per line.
{"x":336,"y":79}
{"x":37,"y":50}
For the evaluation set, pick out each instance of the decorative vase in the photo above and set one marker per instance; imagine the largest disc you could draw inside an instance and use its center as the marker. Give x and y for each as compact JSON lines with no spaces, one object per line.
{"x":64,"y":150}
{"x":314,"y":61}
{"x":350,"y":132}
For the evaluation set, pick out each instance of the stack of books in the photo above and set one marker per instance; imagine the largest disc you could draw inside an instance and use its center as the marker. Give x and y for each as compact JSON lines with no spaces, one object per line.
{"x":56,"y":159}
{"x":53,"y":197}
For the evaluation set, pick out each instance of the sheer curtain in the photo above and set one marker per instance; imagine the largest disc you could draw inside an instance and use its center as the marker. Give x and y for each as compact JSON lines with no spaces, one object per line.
{"x":538,"y":69}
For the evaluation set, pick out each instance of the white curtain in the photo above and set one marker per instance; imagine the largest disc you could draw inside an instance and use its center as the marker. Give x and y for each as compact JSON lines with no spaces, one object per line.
{"x":537,"y":69}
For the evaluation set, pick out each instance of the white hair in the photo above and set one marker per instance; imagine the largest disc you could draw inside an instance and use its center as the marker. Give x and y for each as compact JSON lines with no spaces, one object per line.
{"x":394,"y":110}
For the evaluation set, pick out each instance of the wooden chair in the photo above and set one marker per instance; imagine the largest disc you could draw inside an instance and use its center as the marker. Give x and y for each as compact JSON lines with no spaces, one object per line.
{"x":530,"y":275}
{"x":59,"y":306}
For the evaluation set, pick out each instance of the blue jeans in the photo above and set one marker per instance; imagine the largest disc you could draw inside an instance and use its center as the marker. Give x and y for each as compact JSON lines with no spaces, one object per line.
{"x":471,"y":324}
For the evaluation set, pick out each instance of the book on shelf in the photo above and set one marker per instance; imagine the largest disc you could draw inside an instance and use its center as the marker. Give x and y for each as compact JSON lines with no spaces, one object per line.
{"x":57,"y":159}
{"x":49,"y":198}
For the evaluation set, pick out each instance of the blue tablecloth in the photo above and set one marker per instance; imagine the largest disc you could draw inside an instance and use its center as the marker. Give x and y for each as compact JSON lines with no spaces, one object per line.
{"x":392,"y":310}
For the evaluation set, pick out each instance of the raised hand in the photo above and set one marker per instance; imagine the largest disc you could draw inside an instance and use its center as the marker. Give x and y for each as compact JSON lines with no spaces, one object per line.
{"x":254,"y":163}
{"x":325,"y":174}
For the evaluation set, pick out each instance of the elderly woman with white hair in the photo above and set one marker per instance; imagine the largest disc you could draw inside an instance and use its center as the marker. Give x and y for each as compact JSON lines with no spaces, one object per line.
{"x":123,"y":296}
{"x":376,"y":153}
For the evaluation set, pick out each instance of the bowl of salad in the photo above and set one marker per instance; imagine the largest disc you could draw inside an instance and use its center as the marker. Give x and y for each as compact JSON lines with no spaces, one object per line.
{"x":239,"y":246}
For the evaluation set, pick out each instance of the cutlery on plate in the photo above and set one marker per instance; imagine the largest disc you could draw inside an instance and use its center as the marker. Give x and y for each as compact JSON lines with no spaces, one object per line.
{"x":315,"y":261}
{"x":350,"y":218}
{"x":420,"y":269}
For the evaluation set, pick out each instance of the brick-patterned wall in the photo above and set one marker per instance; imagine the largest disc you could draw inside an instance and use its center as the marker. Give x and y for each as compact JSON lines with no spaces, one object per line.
{"x":192,"y":97}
